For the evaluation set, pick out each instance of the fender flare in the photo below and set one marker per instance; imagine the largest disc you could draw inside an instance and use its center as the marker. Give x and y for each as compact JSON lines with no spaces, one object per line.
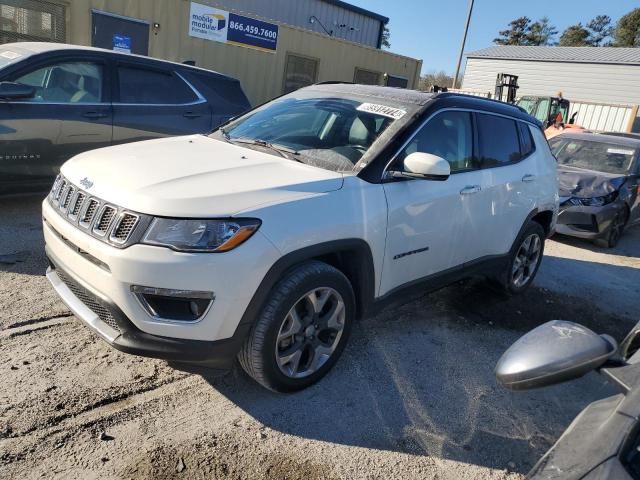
{"x":362,"y":277}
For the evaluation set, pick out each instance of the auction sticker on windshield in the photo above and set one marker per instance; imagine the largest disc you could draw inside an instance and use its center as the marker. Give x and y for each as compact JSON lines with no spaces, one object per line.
{"x":620,"y":151}
{"x":390,"y":112}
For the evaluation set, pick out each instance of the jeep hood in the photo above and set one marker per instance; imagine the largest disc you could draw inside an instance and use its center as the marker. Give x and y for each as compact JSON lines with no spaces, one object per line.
{"x":194,"y":176}
{"x":578,"y":182}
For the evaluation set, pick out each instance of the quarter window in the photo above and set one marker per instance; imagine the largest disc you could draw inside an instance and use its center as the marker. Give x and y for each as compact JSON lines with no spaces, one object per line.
{"x":448,"y":135}
{"x":498,"y":140}
{"x":71,"y":82}
{"x":526,"y":140}
{"x":142,"y":86}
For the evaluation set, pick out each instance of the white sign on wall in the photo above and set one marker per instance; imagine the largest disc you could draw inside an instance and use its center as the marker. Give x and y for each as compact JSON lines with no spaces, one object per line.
{"x":208,"y":22}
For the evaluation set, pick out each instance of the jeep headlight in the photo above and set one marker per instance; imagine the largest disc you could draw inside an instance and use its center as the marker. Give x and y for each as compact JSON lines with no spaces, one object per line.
{"x":186,"y":235}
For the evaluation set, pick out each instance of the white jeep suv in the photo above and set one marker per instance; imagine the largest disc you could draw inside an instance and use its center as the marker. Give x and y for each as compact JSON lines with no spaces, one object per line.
{"x":268,"y":238}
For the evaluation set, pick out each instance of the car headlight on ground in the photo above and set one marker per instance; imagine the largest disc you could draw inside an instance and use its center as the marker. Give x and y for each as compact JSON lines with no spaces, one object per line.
{"x":186,"y":235}
{"x":595,"y":201}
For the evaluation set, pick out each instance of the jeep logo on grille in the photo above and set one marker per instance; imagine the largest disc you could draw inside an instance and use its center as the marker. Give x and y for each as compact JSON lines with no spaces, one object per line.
{"x":86,"y":183}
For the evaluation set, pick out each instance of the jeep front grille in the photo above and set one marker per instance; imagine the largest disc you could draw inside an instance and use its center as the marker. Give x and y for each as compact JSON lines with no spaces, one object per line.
{"x":125,"y":225}
{"x":105,"y":221}
{"x":77,"y":203}
{"x":89,"y":212}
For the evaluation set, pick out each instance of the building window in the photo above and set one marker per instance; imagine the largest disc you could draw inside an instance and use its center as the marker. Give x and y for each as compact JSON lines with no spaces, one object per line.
{"x":32,"y":21}
{"x":299,"y":72}
{"x":399,"y":82}
{"x":366,"y":77}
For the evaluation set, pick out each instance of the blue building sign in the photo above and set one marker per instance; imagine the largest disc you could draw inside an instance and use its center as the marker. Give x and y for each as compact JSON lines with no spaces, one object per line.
{"x":122,"y":43}
{"x":249,"y":32}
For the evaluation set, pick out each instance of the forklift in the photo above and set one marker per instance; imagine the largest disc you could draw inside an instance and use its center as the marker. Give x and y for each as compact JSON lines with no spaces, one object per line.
{"x":553,"y":112}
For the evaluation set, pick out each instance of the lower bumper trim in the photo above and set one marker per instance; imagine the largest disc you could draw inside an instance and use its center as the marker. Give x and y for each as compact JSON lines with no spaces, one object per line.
{"x":130,"y":339}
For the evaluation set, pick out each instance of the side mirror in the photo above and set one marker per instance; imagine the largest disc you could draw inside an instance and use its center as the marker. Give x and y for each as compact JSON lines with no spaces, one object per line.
{"x":554,"y":352}
{"x":13,"y":91}
{"x":425,"y":166}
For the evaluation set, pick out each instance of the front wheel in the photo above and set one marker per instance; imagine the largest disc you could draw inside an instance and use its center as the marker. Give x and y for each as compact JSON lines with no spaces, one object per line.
{"x":302,"y":329}
{"x":524,"y":259}
{"x":615,"y":231}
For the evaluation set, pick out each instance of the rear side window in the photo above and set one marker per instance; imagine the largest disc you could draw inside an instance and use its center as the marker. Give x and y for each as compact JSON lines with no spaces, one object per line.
{"x":139,"y":85}
{"x":498,"y":138}
{"x":526,"y":140}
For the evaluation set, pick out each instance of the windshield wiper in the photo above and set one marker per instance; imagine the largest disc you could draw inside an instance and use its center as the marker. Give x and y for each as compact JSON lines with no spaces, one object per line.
{"x":279,"y":149}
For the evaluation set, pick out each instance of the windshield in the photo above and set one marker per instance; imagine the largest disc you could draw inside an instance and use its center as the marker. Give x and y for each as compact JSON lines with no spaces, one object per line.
{"x":327,"y":132}
{"x":8,"y":56}
{"x":592,"y":155}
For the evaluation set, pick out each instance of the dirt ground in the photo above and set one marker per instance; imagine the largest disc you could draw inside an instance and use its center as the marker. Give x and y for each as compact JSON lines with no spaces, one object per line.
{"x":413,"y":396}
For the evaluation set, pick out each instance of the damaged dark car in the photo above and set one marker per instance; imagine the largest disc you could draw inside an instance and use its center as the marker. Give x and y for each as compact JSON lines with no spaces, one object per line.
{"x":599,"y":182}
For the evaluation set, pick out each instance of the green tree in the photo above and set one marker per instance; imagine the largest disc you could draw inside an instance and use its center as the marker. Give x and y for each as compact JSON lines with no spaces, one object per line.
{"x":386,"y":37}
{"x":542,"y":32}
{"x":600,"y":29}
{"x":627,"y":32}
{"x":575,"y":36}
{"x":516,"y":34}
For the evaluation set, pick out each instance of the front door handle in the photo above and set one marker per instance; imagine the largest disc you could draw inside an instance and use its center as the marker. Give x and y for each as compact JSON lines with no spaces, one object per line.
{"x":191,"y":115}
{"x":469,"y":189}
{"x":94,"y":115}
{"x":528,"y":178}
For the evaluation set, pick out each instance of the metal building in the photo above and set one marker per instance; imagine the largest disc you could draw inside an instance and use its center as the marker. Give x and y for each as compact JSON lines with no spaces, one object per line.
{"x":272,"y":46}
{"x":588,"y":74}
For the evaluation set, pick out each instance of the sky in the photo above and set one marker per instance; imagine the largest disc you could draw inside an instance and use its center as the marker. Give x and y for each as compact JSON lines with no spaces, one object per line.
{"x":432,"y":29}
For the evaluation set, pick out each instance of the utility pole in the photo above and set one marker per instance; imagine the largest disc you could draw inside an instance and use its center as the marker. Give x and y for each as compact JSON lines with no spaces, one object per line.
{"x":464,"y":40}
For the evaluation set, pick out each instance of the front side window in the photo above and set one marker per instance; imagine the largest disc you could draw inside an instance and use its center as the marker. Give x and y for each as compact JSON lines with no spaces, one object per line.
{"x":526,"y":140}
{"x":329,"y":132}
{"x":592,"y":155}
{"x":498,"y":140}
{"x":448,"y":135}
{"x":143,"y":86}
{"x":71,"y":82}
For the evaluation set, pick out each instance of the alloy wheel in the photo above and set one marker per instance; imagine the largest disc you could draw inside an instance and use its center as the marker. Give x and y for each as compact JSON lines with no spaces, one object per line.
{"x":526,"y":260}
{"x":310,"y":332}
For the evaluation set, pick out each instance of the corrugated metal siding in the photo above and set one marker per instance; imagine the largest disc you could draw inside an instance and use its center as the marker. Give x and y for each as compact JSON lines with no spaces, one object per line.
{"x":604,"y":118}
{"x":297,"y":13}
{"x":261,"y":73}
{"x":577,"y":81}
{"x":629,"y":56}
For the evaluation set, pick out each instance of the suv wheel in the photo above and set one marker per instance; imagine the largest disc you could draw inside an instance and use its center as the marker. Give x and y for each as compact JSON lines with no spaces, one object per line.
{"x":301,"y":330}
{"x":524,"y":259}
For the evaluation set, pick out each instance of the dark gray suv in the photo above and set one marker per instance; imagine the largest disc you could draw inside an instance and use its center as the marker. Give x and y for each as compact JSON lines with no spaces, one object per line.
{"x":59,"y":100}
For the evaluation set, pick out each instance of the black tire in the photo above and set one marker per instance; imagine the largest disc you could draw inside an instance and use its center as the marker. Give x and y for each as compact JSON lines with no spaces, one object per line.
{"x":507,"y":280}
{"x":616,"y":229}
{"x":258,"y":354}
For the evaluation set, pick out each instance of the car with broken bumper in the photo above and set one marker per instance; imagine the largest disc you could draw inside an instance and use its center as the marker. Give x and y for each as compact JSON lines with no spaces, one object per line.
{"x":267,"y":239}
{"x":599,"y":185}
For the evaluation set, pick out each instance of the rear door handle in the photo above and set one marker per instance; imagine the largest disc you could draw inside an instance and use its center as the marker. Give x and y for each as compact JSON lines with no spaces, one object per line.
{"x":191,"y":115}
{"x":94,"y":115}
{"x":528,"y":178}
{"x":469,"y":189}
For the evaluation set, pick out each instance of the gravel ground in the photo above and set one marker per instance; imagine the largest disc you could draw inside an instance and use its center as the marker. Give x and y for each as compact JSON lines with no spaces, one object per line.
{"x":412,"y":397}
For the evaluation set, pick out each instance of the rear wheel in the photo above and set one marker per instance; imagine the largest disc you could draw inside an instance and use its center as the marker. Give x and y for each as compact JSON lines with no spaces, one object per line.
{"x":615,"y":231}
{"x":302,"y":329}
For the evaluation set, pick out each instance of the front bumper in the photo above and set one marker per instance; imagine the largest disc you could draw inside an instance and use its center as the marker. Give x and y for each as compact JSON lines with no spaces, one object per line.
{"x":587,"y":222}
{"x":108,"y":322}
{"x":106,"y":274}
